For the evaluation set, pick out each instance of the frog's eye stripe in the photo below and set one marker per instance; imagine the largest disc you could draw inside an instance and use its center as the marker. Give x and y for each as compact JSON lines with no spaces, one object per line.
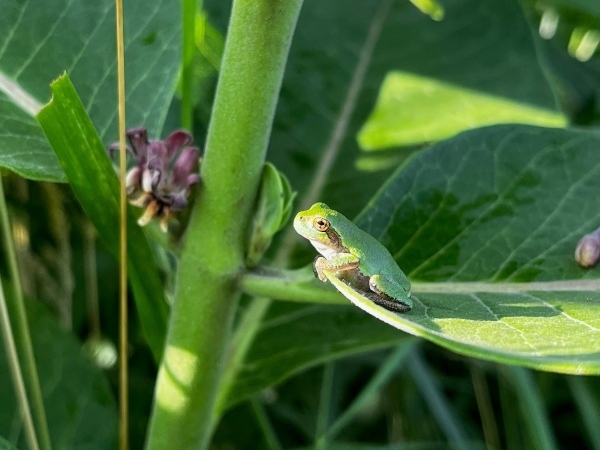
{"x":320,"y":223}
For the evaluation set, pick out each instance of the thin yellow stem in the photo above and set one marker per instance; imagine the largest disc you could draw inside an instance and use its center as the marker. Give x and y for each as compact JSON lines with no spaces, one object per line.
{"x":123,"y":375}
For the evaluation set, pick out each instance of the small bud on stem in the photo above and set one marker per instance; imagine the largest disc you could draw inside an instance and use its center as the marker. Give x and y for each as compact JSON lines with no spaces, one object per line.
{"x":587,"y":252}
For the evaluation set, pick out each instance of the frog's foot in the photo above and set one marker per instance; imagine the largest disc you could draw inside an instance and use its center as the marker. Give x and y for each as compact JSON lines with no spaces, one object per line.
{"x":387,"y":303}
{"x":319,"y":264}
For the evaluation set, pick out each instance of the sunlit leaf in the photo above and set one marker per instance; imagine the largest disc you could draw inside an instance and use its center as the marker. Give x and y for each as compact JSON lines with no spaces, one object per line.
{"x":412,"y":109}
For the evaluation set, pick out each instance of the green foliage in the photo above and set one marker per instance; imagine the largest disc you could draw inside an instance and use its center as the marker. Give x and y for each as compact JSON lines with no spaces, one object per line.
{"x":5,"y":445}
{"x":80,"y":407}
{"x":95,"y":184}
{"x":273,"y":210}
{"x":39,"y":41}
{"x":452,"y":140}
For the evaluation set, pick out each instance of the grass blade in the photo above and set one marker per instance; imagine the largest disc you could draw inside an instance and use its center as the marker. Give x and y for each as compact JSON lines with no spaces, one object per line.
{"x":265,"y":425}
{"x":588,"y":408}
{"x":532,"y":408}
{"x":385,"y":372}
{"x":437,"y":401}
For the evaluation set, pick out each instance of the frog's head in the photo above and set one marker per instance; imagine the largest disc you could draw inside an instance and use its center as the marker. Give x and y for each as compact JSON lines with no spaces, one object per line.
{"x":315,"y":224}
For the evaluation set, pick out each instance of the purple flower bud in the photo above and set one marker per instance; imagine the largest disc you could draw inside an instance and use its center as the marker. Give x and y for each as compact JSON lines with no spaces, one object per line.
{"x":163,"y":173}
{"x":587,"y":252}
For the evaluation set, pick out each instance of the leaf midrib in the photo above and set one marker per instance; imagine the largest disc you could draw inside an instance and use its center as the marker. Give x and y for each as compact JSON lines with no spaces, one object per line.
{"x":19,"y":96}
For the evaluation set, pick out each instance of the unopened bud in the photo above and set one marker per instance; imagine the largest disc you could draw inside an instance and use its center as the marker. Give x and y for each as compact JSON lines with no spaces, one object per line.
{"x":587,"y":252}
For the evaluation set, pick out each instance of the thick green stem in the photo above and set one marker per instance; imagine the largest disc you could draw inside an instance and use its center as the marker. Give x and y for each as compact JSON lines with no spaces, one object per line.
{"x":16,"y":311}
{"x":295,"y":286}
{"x":258,"y":41}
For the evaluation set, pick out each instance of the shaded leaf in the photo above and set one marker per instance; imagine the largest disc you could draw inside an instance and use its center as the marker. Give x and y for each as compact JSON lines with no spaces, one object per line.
{"x":80,"y":407}
{"x":40,"y":40}
{"x":505,"y":203}
{"x":94,"y":181}
{"x":295,"y":337}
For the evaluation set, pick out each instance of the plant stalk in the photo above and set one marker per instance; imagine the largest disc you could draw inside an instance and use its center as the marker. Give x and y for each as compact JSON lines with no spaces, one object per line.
{"x":15,"y":372}
{"x":293,"y":285}
{"x":260,"y":33}
{"x":16,"y":310}
{"x":123,"y":313}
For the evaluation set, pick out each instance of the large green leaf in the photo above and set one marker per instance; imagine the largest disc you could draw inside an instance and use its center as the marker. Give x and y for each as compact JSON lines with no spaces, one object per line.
{"x":506,"y":203}
{"x":80,"y":407}
{"x":294,"y":337}
{"x":95,"y":184}
{"x":40,"y":40}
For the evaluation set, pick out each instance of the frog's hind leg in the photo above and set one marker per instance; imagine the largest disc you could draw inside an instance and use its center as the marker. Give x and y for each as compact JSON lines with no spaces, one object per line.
{"x":389,"y":294}
{"x":390,"y":305}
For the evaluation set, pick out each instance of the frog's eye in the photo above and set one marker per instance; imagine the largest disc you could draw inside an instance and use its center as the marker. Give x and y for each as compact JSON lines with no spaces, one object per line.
{"x":321,"y":224}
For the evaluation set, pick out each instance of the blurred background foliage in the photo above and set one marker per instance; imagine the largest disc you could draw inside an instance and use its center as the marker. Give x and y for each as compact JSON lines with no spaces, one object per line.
{"x":541,"y":63}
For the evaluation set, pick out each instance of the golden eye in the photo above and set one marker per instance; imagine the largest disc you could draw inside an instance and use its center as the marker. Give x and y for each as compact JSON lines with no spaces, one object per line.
{"x":320,"y":224}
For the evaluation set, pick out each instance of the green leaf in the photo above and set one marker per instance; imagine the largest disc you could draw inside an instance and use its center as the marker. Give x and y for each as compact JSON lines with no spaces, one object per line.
{"x":39,"y":41}
{"x":413,"y":109}
{"x":80,"y":407}
{"x":273,"y":210}
{"x":506,"y":203}
{"x":494,"y":207}
{"x":94,"y":181}
{"x":294,"y":337}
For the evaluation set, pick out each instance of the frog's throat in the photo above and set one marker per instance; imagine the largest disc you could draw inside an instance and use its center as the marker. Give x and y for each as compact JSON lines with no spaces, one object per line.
{"x":333,"y":248}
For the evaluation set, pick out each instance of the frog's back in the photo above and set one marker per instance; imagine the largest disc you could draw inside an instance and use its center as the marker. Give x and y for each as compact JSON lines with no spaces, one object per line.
{"x":374,"y":257}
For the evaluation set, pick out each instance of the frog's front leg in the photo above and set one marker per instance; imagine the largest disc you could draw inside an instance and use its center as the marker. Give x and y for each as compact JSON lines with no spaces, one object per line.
{"x":392,"y":295}
{"x":343,"y":261}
